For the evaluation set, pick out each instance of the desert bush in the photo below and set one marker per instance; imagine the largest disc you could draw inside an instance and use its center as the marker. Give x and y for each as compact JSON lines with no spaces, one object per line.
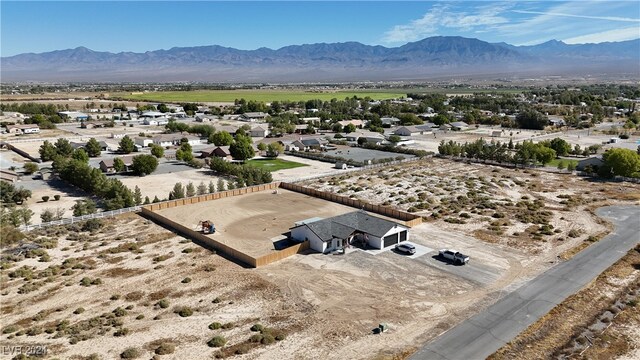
{"x":186,"y":280}
{"x":267,"y":339}
{"x":574,"y":233}
{"x":164,"y":303}
{"x":56,"y":197}
{"x":9,"y":329}
{"x":130,"y":353}
{"x":215,"y":326}
{"x":257,"y":327}
{"x":187,"y":250}
{"x":280,"y":337}
{"x":115,"y":297}
{"x":183,"y":311}
{"x":134,"y":296}
{"x":228,"y":325}
{"x":91,"y":225}
{"x":121,"y":332}
{"x":216,"y":300}
{"x":79,"y":310}
{"x":45,"y":198}
{"x":217,"y":341}
{"x":256,"y":338}
{"x":165,"y":349}
{"x":140,"y":317}
{"x":119,"y":312}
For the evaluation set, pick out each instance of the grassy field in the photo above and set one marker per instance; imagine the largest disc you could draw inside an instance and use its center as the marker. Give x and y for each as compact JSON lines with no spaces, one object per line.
{"x":274,"y":164}
{"x":256,"y":95}
{"x":555,"y":162}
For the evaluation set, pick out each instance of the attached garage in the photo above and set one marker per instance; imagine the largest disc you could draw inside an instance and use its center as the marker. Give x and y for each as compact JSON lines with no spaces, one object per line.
{"x":390,"y":240}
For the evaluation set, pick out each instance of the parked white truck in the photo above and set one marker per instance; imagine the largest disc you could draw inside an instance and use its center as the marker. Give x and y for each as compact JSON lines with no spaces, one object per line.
{"x":454,"y":256}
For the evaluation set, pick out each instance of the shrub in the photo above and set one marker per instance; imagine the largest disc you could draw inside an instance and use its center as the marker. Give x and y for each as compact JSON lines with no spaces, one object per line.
{"x":164,"y":303}
{"x":9,"y":329}
{"x":130,"y":353}
{"x":228,"y":325}
{"x":165,"y":349}
{"x":184,"y":311}
{"x":280,"y":337}
{"x":79,"y":310}
{"x":267,"y":339}
{"x":56,"y":197}
{"x":45,"y":198}
{"x":187,"y":250}
{"x":92,"y":225}
{"x":115,"y":297}
{"x":140,"y":317}
{"x":217,"y":341}
{"x":215,"y":326}
{"x":186,"y":280}
{"x":216,"y":300}
{"x":119,"y":312}
{"x":121,"y":332}
{"x":256,"y":338}
{"x":257,"y":327}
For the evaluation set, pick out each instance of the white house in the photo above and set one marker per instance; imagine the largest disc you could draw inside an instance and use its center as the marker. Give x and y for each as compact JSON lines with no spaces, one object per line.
{"x":253,"y":116}
{"x":143,"y":141}
{"x":259,"y":131}
{"x":358,"y":227}
{"x":390,"y":121}
{"x":73,"y":115}
{"x":407,"y":131}
{"x":155,"y":121}
{"x":459,"y":125}
{"x":175,"y":139}
{"x":23,"y":129}
{"x":151,"y":115}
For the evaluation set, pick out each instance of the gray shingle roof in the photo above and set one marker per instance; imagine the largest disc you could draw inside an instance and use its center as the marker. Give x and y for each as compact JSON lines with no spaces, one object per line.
{"x":342,"y":226}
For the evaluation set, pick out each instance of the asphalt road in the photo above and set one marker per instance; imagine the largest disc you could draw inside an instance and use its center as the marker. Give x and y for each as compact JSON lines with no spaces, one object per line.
{"x":486,"y":332}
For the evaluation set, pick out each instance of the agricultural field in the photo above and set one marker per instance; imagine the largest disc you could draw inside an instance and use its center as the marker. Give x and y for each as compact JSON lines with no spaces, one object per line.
{"x":229,"y":96}
{"x":274,"y":164}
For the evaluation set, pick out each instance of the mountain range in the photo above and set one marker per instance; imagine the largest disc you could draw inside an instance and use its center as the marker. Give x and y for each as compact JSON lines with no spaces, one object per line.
{"x":430,"y":58}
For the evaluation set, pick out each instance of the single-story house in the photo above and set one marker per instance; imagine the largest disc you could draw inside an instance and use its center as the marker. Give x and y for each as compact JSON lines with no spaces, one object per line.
{"x":23,"y":129}
{"x":106,"y":165}
{"x":73,"y":115}
{"x":372,"y":137}
{"x":390,"y":121}
{"x":155,"y":121}
{"x":9,"y":175}
{"x":143,"y":141}
{"x":459,"y":125}
{"x":175,"y":139}
{"x":595,"y":162}
{"x":300,"y":128}
{"x":203,"y":119}
{"x":259,"y":131}
{"x":556,"y":121}
{"x":314,"y":143}
{"x":94,"y":124}
{"x":325,"y":235}
{"x":222,"y":152}
{"x":82,"y":145}
{"x":152,"y":115}
{"x":407,"y":131}
{"x":295,"y":145}
{"x":312,"y":119}
{"x":253,"y":116}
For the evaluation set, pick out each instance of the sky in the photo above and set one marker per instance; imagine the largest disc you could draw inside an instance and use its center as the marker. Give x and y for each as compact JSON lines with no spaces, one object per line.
{"x":139,"y":26}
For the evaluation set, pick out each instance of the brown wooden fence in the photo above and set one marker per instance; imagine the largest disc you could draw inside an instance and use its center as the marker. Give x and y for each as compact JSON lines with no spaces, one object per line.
{"x":408,"y":218}
{"x":212,"y":196}
{"x":281,"y":254}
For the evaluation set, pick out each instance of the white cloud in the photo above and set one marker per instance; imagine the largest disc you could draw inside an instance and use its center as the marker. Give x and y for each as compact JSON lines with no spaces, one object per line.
{"x":443,"y":17}
{"x":611,"y":18}
{"x":610,"y":35}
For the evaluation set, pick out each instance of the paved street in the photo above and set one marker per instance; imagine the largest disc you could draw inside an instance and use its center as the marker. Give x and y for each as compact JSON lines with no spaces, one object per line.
{"x":484,"y":333}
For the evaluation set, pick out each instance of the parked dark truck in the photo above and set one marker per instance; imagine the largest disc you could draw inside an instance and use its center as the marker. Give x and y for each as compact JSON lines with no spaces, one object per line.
{"x":454,"y":256}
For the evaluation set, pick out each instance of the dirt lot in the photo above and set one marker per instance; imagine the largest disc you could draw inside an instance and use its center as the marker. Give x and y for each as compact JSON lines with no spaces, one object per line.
{"x":249,"y":222}
{"x":325,"y":306}
{"x":538,"y":212}
{"x":161,"y":184}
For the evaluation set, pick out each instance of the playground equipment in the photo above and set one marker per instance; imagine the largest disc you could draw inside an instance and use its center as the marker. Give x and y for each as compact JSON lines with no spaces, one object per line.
{"x":207,"y":227}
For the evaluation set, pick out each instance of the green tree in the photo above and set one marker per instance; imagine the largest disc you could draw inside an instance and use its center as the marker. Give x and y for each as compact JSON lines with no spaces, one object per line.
{"x":126,"y":145}
{"x":137,"y":195}
{"x":84,"y":207}
{"x":274,"y":149}
{"x":262,"y":146}
{"x":163,"y":108}
{"x":93,"y":148}
{"x":212,"y":187}
{"x":80,"y":155}
{"x":190,"y":189}
{"x":349,"y":128}
{"x":221,"y":138}
{"x":202,"y":188}
{"x":221,"y":185}
{"x":30,"y":168}
{"x":561,"y":165}
{"x":621,"y":162}
{"x":146,"y":200}
{"x":242,"y":149}
{"x":185,"y":152}
{"x":177,"y":192}
{"x":47,"y":151}
{"x":144,"y":164}
{"x":157,"y":151}
{"x":561,"y":147}
{"x":118,"y":164}
{"x":63,"y":147}
{"x":571,"y":166}
{"x":395,"y":139}
{"x":532,"y":119}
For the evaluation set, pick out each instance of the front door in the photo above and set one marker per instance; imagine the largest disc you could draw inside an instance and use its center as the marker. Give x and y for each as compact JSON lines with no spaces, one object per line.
{"x":338,"y":243}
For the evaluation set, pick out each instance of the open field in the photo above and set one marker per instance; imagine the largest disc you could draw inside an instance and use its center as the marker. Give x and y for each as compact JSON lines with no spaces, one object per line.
{"x":256,"y":95}
{"x":274,"y":164}
{"x":542,"y":213}
{"x":249,"y":222}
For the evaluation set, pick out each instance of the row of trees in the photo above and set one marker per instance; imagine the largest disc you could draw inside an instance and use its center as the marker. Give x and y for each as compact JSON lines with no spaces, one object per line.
{"x":245,"y":174}
{"x":63,"y":148}
{"x":526,"y":153}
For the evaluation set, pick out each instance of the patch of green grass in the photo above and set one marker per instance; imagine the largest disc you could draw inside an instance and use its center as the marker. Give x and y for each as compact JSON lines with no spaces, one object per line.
{"x":256,"y":95}
{"x":555,"y":162}
{"x":274,"y":164}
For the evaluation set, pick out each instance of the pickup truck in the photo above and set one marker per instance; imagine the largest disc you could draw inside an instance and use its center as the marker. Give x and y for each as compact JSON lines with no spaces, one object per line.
{"x":454,"y":256}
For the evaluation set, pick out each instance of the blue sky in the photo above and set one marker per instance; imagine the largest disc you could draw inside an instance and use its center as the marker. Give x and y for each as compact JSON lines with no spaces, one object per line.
{"x":29,"y":26}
